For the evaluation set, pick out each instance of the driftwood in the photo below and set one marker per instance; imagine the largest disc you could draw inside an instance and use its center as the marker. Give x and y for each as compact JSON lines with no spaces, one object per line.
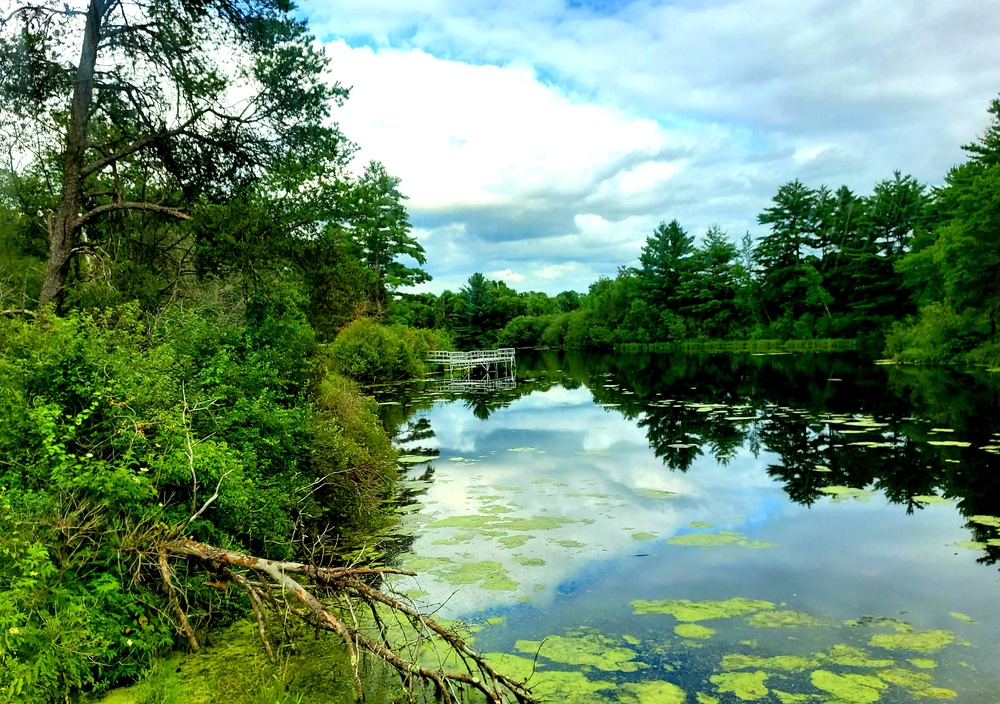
{"x":270,"y":583}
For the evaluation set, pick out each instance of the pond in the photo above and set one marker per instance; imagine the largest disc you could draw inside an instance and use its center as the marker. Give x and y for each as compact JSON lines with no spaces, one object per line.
{"x":711,"y":528}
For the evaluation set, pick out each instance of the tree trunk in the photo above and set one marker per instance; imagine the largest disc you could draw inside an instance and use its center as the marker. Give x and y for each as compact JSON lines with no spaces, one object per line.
{"x":65,"y":225}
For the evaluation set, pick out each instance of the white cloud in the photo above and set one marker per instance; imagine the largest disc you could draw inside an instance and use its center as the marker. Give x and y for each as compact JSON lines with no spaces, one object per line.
{"x":577,"y":128}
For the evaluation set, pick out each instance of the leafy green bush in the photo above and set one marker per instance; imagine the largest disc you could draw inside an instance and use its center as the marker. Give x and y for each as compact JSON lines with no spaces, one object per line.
{"x":368,"y":352}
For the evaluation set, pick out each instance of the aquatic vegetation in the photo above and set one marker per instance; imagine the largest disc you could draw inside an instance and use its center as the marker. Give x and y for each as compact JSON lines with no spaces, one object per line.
{"x":514,"y":541}
{"x":787,"y":663}
{"x":656,"y":493}
{"x":490,"y":573}
{"x":921,"y":641}
{"x":949,"y":443}
{"x":747,"y":686}
{"x":587,"y":649}
{"x":725,"y":537}
{"x":643,"y":536}
{"x":529,"y":561}
{"x":557,"y":685}
{"x":686,"y":610}
{"x":651,"y":693}
{"x":850,"y":656}
{"x":847,"y":492}
{"x":849,"y":688}
{"x":784,"y":619}
{"x":570,"y":543}
{"x":923,"y":663}
{"x":917,"y":683}
{"x":693,"y":630}
{"x":962,"y":617}
{"x":993,"y":521}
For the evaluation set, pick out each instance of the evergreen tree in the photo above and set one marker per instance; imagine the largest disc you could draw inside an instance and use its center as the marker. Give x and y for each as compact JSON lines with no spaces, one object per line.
{"x":664,"y":262}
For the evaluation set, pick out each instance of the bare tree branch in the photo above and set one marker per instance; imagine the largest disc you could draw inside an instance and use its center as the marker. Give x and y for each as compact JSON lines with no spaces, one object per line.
{"x":131,"y":205}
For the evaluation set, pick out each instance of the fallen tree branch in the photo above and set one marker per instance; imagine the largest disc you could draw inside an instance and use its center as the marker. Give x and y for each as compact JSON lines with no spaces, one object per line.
{"x":275,"y":581}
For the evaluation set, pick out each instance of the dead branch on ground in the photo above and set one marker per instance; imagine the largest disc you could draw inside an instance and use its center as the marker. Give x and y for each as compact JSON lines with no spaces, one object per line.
{"x":271,"y":582}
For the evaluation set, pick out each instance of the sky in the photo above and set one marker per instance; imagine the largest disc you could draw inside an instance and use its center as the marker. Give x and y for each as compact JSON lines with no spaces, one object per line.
{"x":541,"y":142}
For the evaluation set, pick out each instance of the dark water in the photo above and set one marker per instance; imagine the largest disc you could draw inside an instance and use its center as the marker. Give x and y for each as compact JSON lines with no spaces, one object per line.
{"x":572,"y":515}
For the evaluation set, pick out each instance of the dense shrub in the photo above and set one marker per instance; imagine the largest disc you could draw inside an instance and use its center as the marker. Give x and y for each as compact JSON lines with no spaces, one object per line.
{"x":368,"y":352}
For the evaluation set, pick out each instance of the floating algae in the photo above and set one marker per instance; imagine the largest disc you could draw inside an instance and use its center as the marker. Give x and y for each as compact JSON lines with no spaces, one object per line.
{"x":949,"y":443}
{"x":699,"y":524}
{"x":555,"y":685}
{"x":643,"y":536}
{"x":686,"y":610}
{"x":651,"y":693}
{"x":993,"y":521}
{"x":693,"y":630}
{"x":849,"y":688}
{"x":656,"y":493}
{"x":784,"y":619}
{"x":921,"y":641}
{"x":584,"y":649}
{"x":849,"y":656}
{"x":530,"y":561}
{"x":570,"y":543}
{"x":725,"y":537}
{"x":847,"y":492}
{"x":514,"y":541}
{"x":490,"y":573}
{"x":962,"y":617}
{"x":747,"y":686}
{"x":923,"y":663}
{"x":787,"y":663}
{"x":918,"y":683}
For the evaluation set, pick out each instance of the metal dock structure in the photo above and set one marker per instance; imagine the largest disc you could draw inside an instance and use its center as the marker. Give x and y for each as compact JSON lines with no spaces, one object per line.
{"x":466,"y":362}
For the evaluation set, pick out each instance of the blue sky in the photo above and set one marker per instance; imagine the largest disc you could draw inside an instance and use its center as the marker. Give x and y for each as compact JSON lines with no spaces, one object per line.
{"x":541,"y":142}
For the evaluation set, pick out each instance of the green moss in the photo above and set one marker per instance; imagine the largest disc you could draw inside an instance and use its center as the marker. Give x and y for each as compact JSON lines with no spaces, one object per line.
{"x":747,"y":686}
{"x":693,"y":630}
{"x":686,"y":610}
{"x":784,"y":619}
{"x":921,"y":641}
{"x":587,"y":649}
{"x":849,"y":688}
{"x":786,"y":663}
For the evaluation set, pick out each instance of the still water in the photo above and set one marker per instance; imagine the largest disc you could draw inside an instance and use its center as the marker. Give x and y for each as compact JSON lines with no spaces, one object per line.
{"x":712,"y":528}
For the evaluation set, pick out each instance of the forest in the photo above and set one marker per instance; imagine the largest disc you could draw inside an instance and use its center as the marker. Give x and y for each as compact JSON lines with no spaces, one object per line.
{"x":196,"y":281}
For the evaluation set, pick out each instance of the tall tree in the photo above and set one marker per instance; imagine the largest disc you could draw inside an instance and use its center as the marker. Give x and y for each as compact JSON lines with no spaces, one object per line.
{"x":665,"y":260}
{"x":380,"y":229}
{"x":153,"y":106}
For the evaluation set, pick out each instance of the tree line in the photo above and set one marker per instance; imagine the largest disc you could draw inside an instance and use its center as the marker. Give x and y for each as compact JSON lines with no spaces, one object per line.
{"x":911,"y":269}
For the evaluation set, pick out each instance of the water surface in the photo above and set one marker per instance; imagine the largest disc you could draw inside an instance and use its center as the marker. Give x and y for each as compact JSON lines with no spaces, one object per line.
{"x":659,"y":528}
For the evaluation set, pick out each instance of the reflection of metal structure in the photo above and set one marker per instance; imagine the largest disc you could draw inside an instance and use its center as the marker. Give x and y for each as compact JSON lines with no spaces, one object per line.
{"x":467,"y":362}
{"x":467,"y":385}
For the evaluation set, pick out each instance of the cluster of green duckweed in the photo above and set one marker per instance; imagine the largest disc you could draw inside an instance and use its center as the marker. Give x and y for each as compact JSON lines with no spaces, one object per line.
{"x":785,"y":663}
{"x":784,"y":619}
{"x":693,"y":630}
{"x":584,"y":648}
{"x":745,"y":685}
{"x":962,"y":617}
{"x":849,"y":656}
{"x":919,"y":684}
{"x":529,"y":561}
{"x":840,"y":493}
{"x":555,"y":685}
{"x":725,"y":537}
{"x":921,"y":641}
{"x":643,"y":536}
{"x":651,"y":693}
{"x":687,"y":610}
{"x":491,"y":573}
{"x":849,"y":688}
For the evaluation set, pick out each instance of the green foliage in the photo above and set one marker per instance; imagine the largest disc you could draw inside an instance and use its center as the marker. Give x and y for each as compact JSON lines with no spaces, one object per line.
{"x":369,"y":352}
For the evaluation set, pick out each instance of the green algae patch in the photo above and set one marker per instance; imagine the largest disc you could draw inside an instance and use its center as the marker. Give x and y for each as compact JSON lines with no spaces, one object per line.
{"x":703,"y":698}
{"x":643,"y":536}
{"x":849,"y":656}
{"x":993,"y":521}
{"x":919,"y":684}
{"x":455,"y":540}
{"x":631,"y":640}
{"x":747,"y":686}
{"x":921,"y":641}
{"x":535,"y":523}
{"x":786,"y":663}
{"x":414,"y":459}
{"x":656,"y":493}
{"x":784,"y":619}
{"x":846,"y":492}
{"x":923,"y":663}
{"x":699,"y":524}
{"x":686,"y":610}
{"x":530,"y":561}
{"x":949,"y":443}
{"x":570,"y":543}
{"x":962,"y":617}
{"x":725,"y":537}
{"x":514,"y":541}
{"x":417,"y":563}
{"x":463,"y":522}
{"x":651,"y":693}
{"x":693,"y":630}
{"x":932,"y":499}
{"x":550,"y":684}
{"x":585,"y":650}
{"x":791,"y":697}
{"x":491,"y":573}
{"x":849,"y":688}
